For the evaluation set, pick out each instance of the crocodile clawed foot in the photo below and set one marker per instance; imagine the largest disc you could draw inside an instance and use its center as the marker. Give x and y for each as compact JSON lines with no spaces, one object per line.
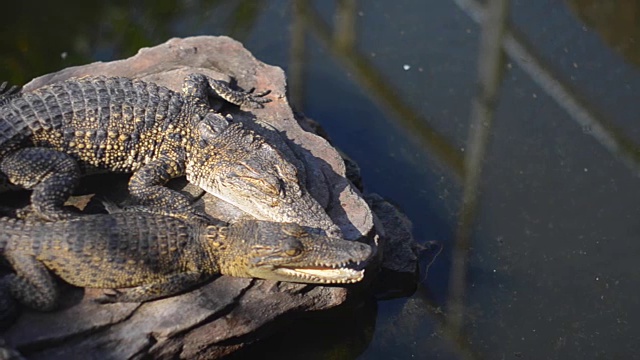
{"x":109,"y":296}
{"x":188,"y":213}
{"x":191,"y":214}
{"x":256,"y":100}
{"x":31,"y":213}
{"x":25,"y":213}
{"x":202,"y":216}
{"x":6,"y":90}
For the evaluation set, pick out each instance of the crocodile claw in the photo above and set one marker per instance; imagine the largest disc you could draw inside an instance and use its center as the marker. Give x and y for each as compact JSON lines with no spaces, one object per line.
{"x":29,"y":212}
{"x":4,"y":91}
{"x":256,"y":100}
{"x":109,"y":296}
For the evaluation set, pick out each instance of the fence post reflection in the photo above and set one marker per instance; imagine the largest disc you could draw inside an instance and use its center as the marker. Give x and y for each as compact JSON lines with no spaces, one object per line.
{"x":490,"y":68}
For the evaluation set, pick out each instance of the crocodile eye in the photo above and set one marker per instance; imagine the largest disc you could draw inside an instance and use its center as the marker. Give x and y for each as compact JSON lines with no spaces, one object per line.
{"x":293,"y":252}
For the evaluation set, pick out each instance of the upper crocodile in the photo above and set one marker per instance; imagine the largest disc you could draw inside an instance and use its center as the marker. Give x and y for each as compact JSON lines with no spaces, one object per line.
{"x":150,"y":255}
{"x":52,"y":134}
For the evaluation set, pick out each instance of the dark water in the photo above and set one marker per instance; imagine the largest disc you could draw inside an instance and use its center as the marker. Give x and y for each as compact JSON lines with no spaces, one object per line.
{"x":515,"y":143}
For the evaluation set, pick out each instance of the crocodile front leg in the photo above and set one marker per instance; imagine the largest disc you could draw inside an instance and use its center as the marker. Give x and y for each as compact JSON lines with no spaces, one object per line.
{"x":146,"y":186}
{"x":52,"y":175}
{"x":32,"y":284}
{"x":201,"y":86}
{"x":171,"y":285}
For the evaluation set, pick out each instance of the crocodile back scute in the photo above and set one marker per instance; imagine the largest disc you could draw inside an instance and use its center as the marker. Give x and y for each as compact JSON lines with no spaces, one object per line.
{"x":107,"y":251}
{"x":99,"y":120}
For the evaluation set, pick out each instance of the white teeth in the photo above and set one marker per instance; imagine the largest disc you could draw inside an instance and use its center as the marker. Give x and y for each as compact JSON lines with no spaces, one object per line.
{"x":325,"y":276}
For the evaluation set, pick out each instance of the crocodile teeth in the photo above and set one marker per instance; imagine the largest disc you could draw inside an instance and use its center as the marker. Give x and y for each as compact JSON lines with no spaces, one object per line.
{"x":326,"y":275}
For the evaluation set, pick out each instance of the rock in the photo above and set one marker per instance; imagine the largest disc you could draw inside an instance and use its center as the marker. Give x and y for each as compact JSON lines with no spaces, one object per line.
{"x":223,"y":315}
{"x":398,"y":248}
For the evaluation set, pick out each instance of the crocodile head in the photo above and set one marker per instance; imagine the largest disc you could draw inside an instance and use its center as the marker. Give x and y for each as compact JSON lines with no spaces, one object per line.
{"x":286,"y":252}
{"x":239,"y":167}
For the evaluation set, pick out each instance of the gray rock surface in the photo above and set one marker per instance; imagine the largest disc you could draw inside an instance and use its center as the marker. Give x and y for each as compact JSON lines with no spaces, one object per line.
{"x":222,"y":316}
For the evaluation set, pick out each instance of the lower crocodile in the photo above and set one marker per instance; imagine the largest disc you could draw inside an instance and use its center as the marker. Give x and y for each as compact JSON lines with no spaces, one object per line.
{"x":146,"y":256}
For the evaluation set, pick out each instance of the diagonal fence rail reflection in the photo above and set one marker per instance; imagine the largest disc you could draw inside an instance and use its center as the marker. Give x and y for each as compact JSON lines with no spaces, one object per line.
{"x":518,"y":50}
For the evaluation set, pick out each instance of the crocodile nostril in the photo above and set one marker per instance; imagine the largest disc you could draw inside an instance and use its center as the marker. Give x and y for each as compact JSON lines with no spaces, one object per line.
{"x":334,"y":232}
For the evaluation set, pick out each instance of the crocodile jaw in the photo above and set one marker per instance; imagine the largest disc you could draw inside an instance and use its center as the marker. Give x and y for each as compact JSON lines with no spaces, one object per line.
{"x":302,"y":209}
{"x":320,"y":275}
{"x":288,"y":252}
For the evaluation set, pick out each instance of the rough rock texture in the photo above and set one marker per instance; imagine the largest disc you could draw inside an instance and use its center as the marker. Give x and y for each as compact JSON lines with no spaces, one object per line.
{"x":222,"y":316}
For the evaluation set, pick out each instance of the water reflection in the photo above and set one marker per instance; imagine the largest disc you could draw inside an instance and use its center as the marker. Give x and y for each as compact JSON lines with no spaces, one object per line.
{"x":616,"y":21}
{"x":340,"y":43}
{"x":490,"y":69}
{"x":342,"y":333}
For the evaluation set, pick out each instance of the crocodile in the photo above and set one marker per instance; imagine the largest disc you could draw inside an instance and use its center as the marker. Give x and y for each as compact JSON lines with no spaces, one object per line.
{"x":52,"y":135}
{"x":143,"y":255}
